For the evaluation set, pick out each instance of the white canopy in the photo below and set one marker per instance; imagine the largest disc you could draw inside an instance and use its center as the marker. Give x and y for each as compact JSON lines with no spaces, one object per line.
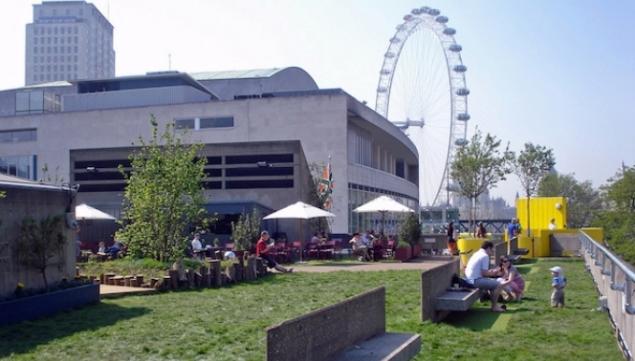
{"x":382,"y":204}
{"x":299,"y":210}
{"x":84,"y":211}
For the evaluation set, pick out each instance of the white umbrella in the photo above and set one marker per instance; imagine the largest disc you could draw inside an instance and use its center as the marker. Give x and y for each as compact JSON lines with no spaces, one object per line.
{"x":382,"y":204}
{"x":300,"y":210}
{"x":84,"y":211}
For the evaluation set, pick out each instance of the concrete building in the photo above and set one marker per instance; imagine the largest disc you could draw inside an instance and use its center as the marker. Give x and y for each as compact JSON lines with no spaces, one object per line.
{"x":263,"y":131}
{"x":68,"y":40}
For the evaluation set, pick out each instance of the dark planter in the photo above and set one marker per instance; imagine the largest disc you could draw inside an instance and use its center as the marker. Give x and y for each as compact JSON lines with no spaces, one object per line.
{"x":403,"y":254}
{"x":47,"y":304}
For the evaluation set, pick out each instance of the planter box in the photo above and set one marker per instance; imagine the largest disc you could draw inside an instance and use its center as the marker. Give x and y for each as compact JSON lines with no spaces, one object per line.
{"x":47,"y":304}
{"x":403,"y":254}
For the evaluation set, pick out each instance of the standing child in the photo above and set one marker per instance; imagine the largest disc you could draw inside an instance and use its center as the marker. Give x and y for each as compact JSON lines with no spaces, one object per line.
{"x":558,"y":283}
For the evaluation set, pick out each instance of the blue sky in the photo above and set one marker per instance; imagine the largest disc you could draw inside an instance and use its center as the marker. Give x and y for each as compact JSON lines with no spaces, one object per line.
{"x":558,"y":73}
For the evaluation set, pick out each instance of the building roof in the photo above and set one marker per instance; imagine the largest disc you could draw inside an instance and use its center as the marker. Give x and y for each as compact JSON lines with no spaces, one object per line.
{"x":7,"y":181}
{"x":236,"y":74}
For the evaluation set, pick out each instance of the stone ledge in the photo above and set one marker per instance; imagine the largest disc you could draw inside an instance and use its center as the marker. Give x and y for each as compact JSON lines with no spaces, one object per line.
{"x":456,"y":300}
{"x":386,"y":347}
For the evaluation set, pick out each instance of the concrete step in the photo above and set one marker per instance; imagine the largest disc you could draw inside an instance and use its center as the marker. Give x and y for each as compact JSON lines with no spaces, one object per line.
{"x":387,"y":347}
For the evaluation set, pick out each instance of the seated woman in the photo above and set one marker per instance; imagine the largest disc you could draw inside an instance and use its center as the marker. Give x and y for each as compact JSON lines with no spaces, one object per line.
{"x":359,"y":248}
{"x":263,"y":247}
{"x":511,"y":280}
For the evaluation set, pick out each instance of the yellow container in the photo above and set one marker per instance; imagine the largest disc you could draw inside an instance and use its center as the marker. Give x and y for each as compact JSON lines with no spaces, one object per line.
{"x":597,"y":234}
{"x":468,"y":246}
{"x":542,"y":210}
{"x":538,"y":244}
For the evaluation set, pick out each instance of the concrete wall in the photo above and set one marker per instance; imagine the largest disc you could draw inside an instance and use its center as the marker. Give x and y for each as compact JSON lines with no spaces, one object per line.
{"x":18,"y":204}
{"x":433,"y":283}
{"x":133,"y":98}
{"x":320,"y":334}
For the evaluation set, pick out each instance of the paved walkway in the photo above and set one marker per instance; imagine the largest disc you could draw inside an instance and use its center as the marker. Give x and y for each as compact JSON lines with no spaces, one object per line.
{"x":109,"y":291}
{"x":419,"y":264}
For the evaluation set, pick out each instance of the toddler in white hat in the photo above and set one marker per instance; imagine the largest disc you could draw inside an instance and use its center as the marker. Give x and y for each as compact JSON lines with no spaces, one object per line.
{"x":558,"y":283}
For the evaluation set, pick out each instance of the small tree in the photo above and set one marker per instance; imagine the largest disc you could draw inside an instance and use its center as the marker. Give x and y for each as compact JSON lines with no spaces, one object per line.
{"x":583,"y":200}
{"x":533,"y":163}
{"x":247,"y":230}
{"x":620,"y":190}
{"x":163,"y":196}
{"x":39,"y":243}
{"x":479,"y":166}
{"x":410,"y":230}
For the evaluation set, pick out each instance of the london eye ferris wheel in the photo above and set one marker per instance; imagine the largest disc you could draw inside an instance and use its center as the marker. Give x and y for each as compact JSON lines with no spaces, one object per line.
{"x":422,"y":90}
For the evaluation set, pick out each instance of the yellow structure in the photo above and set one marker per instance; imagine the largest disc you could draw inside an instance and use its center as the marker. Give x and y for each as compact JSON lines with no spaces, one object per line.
{"x":467,"y":245}
{"x":597,"y":234}
{"x":541,"y":211}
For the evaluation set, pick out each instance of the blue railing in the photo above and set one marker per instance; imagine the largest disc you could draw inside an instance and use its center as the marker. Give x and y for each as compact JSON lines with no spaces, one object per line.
{"x":610,"y":266}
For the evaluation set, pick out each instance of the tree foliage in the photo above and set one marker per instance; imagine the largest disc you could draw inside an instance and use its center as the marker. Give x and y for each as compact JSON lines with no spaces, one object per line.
{"x":39,"y":243}
{"x":618,"y":217}
{"x":410,"y":230}
{"x":163,"y":196}
{"x":246,"y":231}
{"x":533,"y":164}
{"x":479,"y":166}
{"x":583,"y":200}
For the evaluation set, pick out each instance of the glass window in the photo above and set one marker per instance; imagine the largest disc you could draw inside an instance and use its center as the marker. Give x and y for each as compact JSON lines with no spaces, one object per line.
{"x":20,"y":166}
{"x":21,"y":102}
{"x":221,"y":122}
{"x":184,"y":123}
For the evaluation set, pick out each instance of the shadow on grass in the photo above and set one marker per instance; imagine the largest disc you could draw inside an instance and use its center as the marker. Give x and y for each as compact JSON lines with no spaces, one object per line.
{"x":27,"y":335}
{"x":481,"y":319}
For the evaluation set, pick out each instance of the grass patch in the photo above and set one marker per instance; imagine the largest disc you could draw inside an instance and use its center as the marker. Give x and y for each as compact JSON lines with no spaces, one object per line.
{"x":229,"y":323}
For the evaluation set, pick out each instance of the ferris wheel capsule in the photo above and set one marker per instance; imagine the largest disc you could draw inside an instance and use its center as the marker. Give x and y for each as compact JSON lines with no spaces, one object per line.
{"x":449,"y":31}
{"x":408,"y":17}
{"x":425,"y":10}
{"x":460,"y":68}
{"x":395,"y":40}
{"x":463,"y":117}
{"x":442,"y":19}
{"x":382,"y":89}
{"x":416,"y":11}
{"x":400,"y":27}
{"x":389,"y":55}
{"x":462,"y":91}
{"x":461,"y":142}
{"x":455,"y":48}
{"x":434,"y":12}
{"x":385,"y":72}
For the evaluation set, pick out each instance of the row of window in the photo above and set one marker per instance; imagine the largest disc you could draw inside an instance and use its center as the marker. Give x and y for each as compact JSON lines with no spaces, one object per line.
{"x":204,"y":123}
{"x":54,"y":40}
{"x":55,"y":67}
{"x":237,"y":184}
{"x":56,"y":49}
{"x":54,"y":77}
{"x":55,"y":30}
{"x":20,"y":135}
{"x":36,"y":101}
{"x":55,"y":59}
{"x":23,"y":166}
{"x":262,"y":160}
{"x":209,"y":173}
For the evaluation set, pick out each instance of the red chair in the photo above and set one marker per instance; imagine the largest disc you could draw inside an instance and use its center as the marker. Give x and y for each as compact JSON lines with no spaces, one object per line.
{"x":313,"y":250}
{"x":280,"y":252}
{"x":327,"y":250}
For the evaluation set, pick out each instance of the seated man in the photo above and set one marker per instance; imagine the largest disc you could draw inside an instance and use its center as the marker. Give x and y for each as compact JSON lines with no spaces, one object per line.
{"x":359,"y":247}
{"x":263,"y":247}
{"x":478,"y":273}
{"x":197,"y":246}
{"x":115,"y":249}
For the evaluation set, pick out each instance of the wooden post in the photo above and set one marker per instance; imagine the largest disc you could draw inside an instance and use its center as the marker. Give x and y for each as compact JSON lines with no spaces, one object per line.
{"x":231,"y":273}
{"x":139,"y":279}
{"x":167,"y":282}
{"x":190,"y":278}
{"x":153,"y":282}
{"x":215,"y":273}
{"x":174,"y":279}
{"x":102,"y":279}
{"x":251,"y":268}
{"x":240,"y":269}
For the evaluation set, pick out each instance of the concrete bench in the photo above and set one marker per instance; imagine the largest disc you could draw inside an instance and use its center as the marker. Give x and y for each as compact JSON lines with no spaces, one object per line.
{"x":354,"y":329}
{"x":436,"y":301}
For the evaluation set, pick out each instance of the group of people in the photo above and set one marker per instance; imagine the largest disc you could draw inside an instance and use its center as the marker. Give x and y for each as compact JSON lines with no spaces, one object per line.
{"x":479,"y":232}
{"x":368,"y":246}
{"x":504,"y":281}
{"x":114,"y":251}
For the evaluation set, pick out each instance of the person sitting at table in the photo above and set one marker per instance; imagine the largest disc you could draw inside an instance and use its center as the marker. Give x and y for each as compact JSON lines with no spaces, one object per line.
{"x":114,"y":250}
{"x":263,"y":249}
{"x":101,"y":250}
{"x":359,"y":247}
{"x":378,"y":248}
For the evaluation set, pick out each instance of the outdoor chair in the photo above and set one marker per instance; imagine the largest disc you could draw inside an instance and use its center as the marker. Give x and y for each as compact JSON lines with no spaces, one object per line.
{"x":280,"y":252}
{"x":390,"y":249}
{"x":326,"y":250}
{"x":312,"y":251}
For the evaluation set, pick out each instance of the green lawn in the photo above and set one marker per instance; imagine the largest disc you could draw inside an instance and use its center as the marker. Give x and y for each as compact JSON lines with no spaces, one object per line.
{"x":229,"y":323}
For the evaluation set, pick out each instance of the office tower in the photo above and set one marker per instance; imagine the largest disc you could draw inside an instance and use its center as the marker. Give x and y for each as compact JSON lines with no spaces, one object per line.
{"x":68,"y":40}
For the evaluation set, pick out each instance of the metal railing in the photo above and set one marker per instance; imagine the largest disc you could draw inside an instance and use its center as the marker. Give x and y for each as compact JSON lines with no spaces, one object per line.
{"x":613,"y":267}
